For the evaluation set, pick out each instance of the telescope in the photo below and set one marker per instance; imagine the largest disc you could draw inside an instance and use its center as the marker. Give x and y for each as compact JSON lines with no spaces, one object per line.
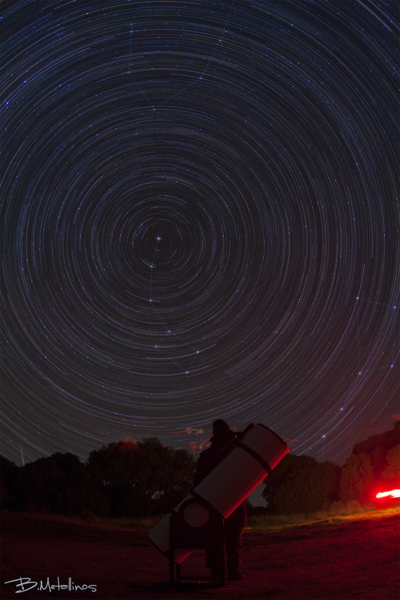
{"x":255,"y":453}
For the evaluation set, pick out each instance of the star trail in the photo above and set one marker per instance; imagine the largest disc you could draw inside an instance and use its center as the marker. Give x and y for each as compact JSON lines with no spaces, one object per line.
{"x":200,"y":220}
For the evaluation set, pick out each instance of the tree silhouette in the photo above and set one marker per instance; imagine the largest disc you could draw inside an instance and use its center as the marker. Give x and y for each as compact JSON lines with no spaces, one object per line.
{"x":142,"y":478}
{"x":38,"y":484}
{"x":301,"y":484}
{"x":392,"y":469}
{"x":357,"y":477}
{"x":8,"y":473}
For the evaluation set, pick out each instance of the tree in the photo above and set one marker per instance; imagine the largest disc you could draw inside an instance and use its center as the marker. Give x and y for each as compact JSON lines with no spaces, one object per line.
{"x":66,"y":461}
{"x":392,"y":469}
{"x":377,"y":447}
{"x":142,"y":478}
{"x":371,"y":458}
{"x":38,"y":484}
{"x":301,"y":484}
{"x":57,"y":484}
{"x":356,"y":478}
{"x":166,"y":474}
{"x":8,"y":473}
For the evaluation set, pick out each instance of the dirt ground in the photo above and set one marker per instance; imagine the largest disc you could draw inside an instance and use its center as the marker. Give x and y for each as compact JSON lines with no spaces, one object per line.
{"x":358,"y":559}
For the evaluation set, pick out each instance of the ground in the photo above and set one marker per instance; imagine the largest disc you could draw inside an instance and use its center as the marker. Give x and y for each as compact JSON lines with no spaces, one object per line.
{"x":357,"y":559}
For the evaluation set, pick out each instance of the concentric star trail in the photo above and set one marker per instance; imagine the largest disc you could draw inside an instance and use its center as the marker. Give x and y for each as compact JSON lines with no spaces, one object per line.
{"x":235,"y":163}
{"x":168,"y":332}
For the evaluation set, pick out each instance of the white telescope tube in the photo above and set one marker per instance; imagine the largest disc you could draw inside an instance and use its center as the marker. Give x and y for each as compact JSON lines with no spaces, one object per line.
{"x":229,"y":484}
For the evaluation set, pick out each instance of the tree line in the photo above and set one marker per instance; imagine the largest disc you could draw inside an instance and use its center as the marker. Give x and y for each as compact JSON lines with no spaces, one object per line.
{"x":301,"y":484}
{"x":137,"y":479}
{"x":123,"y":479}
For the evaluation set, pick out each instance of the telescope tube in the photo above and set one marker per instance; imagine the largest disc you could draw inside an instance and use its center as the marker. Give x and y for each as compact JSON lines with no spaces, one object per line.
{"x":228,"y":485}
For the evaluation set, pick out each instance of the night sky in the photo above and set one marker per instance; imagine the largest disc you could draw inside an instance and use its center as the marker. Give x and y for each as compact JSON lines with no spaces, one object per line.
{"x":200,"y":220}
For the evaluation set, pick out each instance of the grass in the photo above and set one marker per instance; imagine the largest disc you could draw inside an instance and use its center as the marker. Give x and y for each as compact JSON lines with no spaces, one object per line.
{"x":144,"y":523}
{"x":335,"y":514}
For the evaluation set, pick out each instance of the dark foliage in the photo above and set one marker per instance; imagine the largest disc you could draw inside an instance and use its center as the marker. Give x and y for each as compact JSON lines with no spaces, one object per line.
{"x":66,"y":461}
{"x":144,"y":478}
{"x":371,"y":466}
{"x":301,"y":484}
{"x":57,"y":484}
{"x":255,"y":511}
{"x":392,"y":467}
{"x":128,"y":479}
{"x":125,"y":479}
{"x":356,"y":478}
{"x":386,"y":441}
{"x":37,"y":486}
{"x":8,"y":473}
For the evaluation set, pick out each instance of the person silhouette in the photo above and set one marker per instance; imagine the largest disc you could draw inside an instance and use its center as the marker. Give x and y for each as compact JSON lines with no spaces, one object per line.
{"x":222,"y":442}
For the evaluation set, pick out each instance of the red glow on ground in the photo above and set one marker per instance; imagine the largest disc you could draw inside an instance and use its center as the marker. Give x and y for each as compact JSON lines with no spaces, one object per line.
{"x":391,"y":494}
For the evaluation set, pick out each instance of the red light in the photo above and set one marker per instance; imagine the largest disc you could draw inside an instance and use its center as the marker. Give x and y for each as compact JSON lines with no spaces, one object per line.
{"x":391,"y":494}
